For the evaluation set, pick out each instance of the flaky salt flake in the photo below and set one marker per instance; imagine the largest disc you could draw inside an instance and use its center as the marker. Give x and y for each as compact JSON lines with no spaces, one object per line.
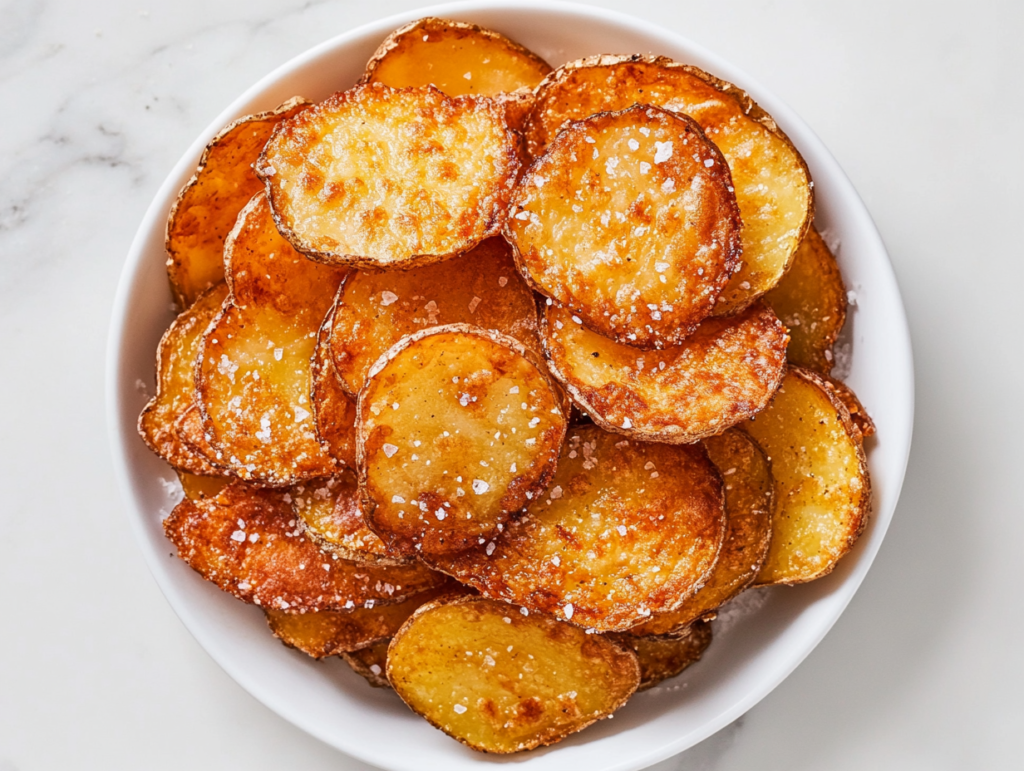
{"x":633,"y":145}
{"x":480,"y":486}
{"x":300,"y":413}
{"x":662,"y":151}
{"x":389,"y":449}
{"x":459,"y":708}
{"x":375,"y":668}
{"x":502,"y":281}
{"x":468,"y":76}
{"x":387,"y":298}
{"x":568,"y":611}
{"x":627,"y":423}
{"x":621,"y":529}
{"x":556,"y":560}
{"x":507,"y":620}
{"x":278,"y":354}
{"x":556,"y":492}
{"x":490,"y":548}
{"x":709,"y":162}
{"x":238,"y":535}
{"x":524,"y":611}
{"x":440,"y":514}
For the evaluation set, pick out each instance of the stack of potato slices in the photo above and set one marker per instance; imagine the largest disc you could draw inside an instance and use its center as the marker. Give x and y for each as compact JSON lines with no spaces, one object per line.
{"x":498,"y":381}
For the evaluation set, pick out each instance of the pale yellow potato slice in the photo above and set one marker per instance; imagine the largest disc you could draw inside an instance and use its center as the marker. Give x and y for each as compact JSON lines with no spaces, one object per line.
{"x":501,"y":682}
{"x":822,"y":487}
{"x":457,"y":430}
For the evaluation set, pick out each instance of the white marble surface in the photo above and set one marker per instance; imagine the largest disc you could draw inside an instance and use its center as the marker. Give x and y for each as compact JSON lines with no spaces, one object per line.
{"x":919,"y":101}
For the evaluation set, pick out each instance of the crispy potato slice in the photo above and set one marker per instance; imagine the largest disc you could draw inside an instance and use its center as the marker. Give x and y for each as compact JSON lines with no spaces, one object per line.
{"x":722,"y":374}
{"x":376,"y":310}
{"x":457,"y":58}
{"x":175,"y":387}
{"x":370,"y":663}
{"x":627,"y":529}
{"x":333,"y":516}
{"x":383,"y":177}
{"x":811,"y":301}
{"x":748,"y":507}
{"x":189,"y":429}
{"x":330,"y":632}
{"x":196,"y":487}
{"x":208,"y":205}
{"x":247,"y":542}
{"x":629,"y":218}
{"x":822,"y":487}
{"x":501,"y":682}
{"x":858,"y":414}
{"x":773,"y":185}
{"x":665,"y":656}
{"x":253,"y":376}
{"x":456,"y":429}
{"x":334,"y":413}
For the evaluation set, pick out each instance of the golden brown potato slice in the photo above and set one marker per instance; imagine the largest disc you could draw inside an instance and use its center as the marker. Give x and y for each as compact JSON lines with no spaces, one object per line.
{"x":334,"y":413}
{"x":253,"y":376}
{"x":376,"y":310}
{"x":665,"y":656}
{"x":858,"y":414}
{"x":748,"y":507}
{"x":499,"y":681}
{"x":175,"y":386}
{"x":371,"y":663}
{"x":457,"y":58}
{"x":773,"y":185}
{"x":811,"y":301}
{"x":629,"y":218}
{"x":626,"y":530}
{"x":198,"y":487}
{"x":722,"y":374}
{"x":822,"y":488}
{"x":208,"y":205}
{"x":457,"y":429}
{"x":383,"y":177}
{"x":247,"y":541}
{"x":189,"y":430}
{"x":330,"y":632}
{"x":333,"y":516}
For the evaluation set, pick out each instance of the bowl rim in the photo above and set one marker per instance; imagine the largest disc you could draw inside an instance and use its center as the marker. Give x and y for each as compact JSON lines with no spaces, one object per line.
{"x":122,"y":436}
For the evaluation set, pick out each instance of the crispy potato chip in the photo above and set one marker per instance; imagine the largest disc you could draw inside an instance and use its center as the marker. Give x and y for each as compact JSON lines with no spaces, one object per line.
{"x":247,"y":542}
{"x":811,"y":301}
{"x":253,"y":375}
{"x":501,"y":682}
{"x":858,"y":414}
{"x":208,"y":205}
{"x":383,"y":177}
{"x":334,"y":413}
{"x":457,"y":429}
{"x":376,"y":310}
{"x":822,"y":487}
{"x":773,"y":185}
{"x":371,"y":663}
{"x":627,"y":529}
{"x":189,"y":430}
{"x":748,"y":506}
{"x":629,"y":219}
{"x":333,"y":516}
{"x":175,"y":386}
{"x":197,"y":487}
{"x":330,"y":632}
{"x":662,"y":657}
{"x":724,"y":373}
{"x":457,"y":58}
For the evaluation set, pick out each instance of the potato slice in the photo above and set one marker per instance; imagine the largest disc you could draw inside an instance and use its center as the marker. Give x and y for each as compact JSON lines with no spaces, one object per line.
{"x":501,"y":682}
{"x":376,"y":310}
{"x":334,"y":412}
{"x":197,"y":487}
{"x":858,"y":414}
{"x":456,"y":429}
{"x":253,"y":375}
{"x":330,"y":632}
{"x":208,"y":205}
{"x":189,"y":430}
{"x":175,"y":387}
{"x":722,"y":374}
{"x":370,"y":663}
{"x":627,"y":529}
{"x":665,"y":656}
{"x":629,"y":219}
{"x":811,"y":301}
{"x":382,"y":177}
{"x":333,"y":516}
{"x":457,"y":58}
{"x":822,"y":487}
{"x":247,"y":542}
{"x":773,"y":185}
{"x":748,"y":507}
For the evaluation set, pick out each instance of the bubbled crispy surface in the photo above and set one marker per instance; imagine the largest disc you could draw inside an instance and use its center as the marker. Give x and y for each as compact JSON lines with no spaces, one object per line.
{"x":376,"y":176}
{"x":248,"y":542}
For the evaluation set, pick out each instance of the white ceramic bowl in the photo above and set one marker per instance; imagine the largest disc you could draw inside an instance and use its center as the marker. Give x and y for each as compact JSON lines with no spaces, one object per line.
{"x":758,"y":646}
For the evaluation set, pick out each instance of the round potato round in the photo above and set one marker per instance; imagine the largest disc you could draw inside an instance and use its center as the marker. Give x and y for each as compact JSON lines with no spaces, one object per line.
{"x":722,"y":374}
{"x":383,"y":177}
{"x":629,"y":218}
{"x":456,"y":430}
{"x":502,"y":682}
{"x":626,"y":530}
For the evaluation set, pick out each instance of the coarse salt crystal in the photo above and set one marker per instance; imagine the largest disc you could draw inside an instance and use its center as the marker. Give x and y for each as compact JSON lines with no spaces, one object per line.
{"x":490,"y":548}
{"x":238,"y":535}
{"x":556,"y":492}
{"x":568,"y":611}
{"x":387,"y":298}
{"x":278,"y":353}
{"x":621,"y":529}
{"x":389,"y":449}
{"x":502,"y":281}
{"x":709,"y":162}
{"x":633,"y":145}
{"x":627,"y":423}
{"x":662,"y":151}
{"x":480,"y":486}
{"x":459,"y":708}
